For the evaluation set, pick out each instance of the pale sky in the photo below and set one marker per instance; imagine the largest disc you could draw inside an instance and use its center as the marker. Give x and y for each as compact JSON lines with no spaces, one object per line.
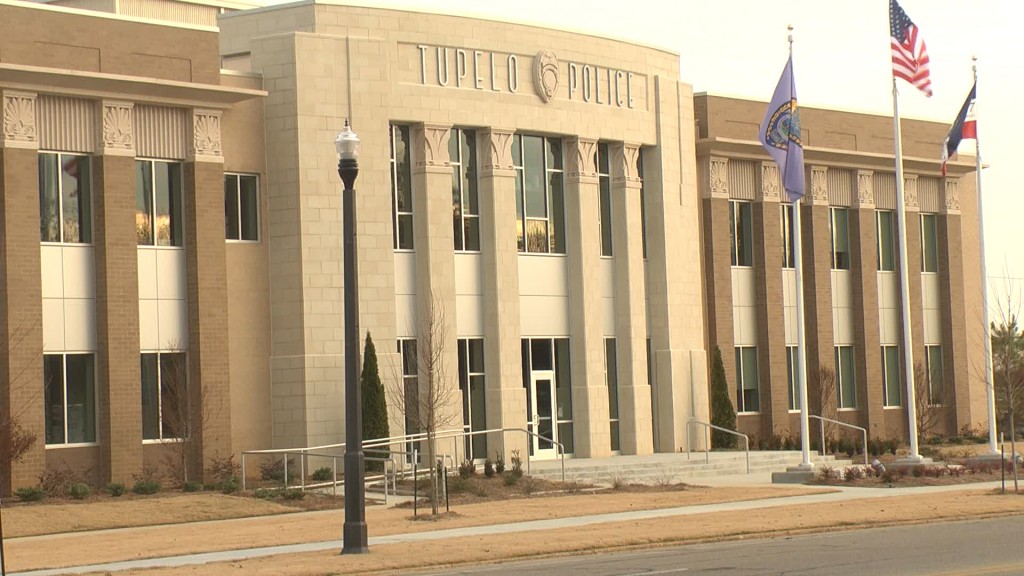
{"x":841,"y":61}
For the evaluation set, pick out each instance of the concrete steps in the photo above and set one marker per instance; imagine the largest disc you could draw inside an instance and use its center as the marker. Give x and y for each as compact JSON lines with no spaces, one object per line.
{"x":672,"y":468}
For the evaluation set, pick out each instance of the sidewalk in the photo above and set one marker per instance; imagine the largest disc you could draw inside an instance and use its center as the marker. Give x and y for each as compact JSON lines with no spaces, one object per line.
{"x":823,"y":496}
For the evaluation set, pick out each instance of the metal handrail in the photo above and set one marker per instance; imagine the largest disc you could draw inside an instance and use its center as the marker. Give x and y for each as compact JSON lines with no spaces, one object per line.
{"x":862,"y":431}
{"x":709,"y":427}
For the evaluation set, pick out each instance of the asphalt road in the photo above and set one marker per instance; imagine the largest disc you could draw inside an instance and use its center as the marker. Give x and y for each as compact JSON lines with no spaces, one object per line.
{"x":985,"y":547}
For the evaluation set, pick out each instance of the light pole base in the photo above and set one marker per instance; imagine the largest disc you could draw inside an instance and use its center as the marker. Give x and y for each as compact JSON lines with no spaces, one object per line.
{"x":354,"y":533}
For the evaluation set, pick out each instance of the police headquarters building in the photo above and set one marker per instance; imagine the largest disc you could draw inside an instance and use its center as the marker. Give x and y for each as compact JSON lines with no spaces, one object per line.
{"x":581,"y":228}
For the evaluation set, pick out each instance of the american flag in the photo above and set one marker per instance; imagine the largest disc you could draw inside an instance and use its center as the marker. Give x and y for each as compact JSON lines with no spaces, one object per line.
{"x":909,"y":54}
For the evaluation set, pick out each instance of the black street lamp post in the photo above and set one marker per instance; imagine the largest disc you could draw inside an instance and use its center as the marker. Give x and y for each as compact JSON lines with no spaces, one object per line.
{"x":354,"y":531}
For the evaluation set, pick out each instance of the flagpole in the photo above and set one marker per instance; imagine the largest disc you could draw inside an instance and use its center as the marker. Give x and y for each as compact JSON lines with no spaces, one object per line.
{"x":901,"y":222}
{"x":990,"y":383}
{"x":801,"y":344}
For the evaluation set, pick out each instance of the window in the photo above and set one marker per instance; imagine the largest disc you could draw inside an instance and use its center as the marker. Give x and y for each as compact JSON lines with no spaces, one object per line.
{"x":788,"y":247}
{"x":604,"y":179}
{"x":936,"y":388}
{"x":401,"y":188}
{"x":643,"y":205}
{"x":741,"y":233}
{"x":885,"y":227}
{"x":846,"y":381}
{"x":165,"y":403}
{"x":792,"y":363}
{"x":158,"y":208}
{"x":929,"y":244}
{"x":411,"y":388}
{"x":654,"y":395}
{"x":891,"y":377}
{"x":474,"y":406}
{"x":540,"y":202}
{"x":840,"y":238}
{"x":65,"y":203}
{"x":69,"y":390}
{"x":241,"y":207}
{"x":465,"y":198}
{"x":611,"y":379}
{"x":747,"y":398}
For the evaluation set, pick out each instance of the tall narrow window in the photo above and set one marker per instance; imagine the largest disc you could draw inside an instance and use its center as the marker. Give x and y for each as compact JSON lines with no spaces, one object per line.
{"x":549,"y":414}
{"x":929,"y":244}
{"x":791,"y":367}
{"x":741,"y":222}
{"x":840,"y":238}
{"x":846,"y":380}
{"x":886,"y":227}
{"x":465,"y":197}
{"x":65,"y":202}
{"x":747,"y":392}
{"x":788,"y":247}
{"x":165,"y":399}
{"x":891,"y":377}
{"x":474,"y":406}
{"x":158,"y":203}
{"x":611,"y":379}
{"x":936,"y":388}
{"x":410,"y":392}
{"x":401,"y":187}
{"x":241,"y":207}
{"x":643,"y":202}
{"x":540,"y":202}
{"x":69,"y":396}
{"x":604,"y":179}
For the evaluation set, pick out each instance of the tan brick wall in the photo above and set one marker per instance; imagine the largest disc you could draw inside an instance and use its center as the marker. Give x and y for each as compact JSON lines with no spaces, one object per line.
{"x":771,"y":339}
{"x":867,"y":342}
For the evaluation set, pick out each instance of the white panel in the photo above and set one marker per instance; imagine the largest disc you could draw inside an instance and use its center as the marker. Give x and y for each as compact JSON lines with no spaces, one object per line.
{"x":888,"y":290}
{"x":469,"y":316}
{"x":930,"y":291}
{"x":149,"y":326}
{"x":170,"y":274}
{"x":405,"y":272}
{"x":52,"y":271}
{"x":889,"y":309}
{"x":607,"y":277}
{"x":843,"y":330}
{"x":173,"y":324}
{"x":405,"y":315}
{"x":53,"y":325}
{"x":789,"y":313}
{"x":79,"y":272}
{"x":743,"y":287}
{"x":889,"y":327}
{"x":744,"y":325}
{"x":544,"y":315}
{"x":543,"y":275}
{"x":468,"y":277}
{"x":147,"y":273}
{"x":932,"y":327}
{"x":789,"y":287}
{"x":841,"y":289}
{"x":608,"y":317}
{"x":79,"y":324}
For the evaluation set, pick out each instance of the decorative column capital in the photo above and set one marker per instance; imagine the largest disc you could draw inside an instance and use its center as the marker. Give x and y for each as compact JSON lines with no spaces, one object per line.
{"x":19,"y":120}
{"x":116,"y":128}
{"x":495,"y":150}
{"x":910,"y":193}
{"x":624,"y":168}
{"x":430,"y":147}
{"x":582,"y":156}
{"x":819,"y":185}
{"x":771,"y":186}
{"x":865,"y":198}
{"x":718,"y":178}
{"x":205,"y":141}
{"x":952,"y":196}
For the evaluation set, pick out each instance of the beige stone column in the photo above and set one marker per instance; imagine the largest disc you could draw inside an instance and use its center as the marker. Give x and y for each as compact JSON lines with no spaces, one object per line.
{"x":867,"y":341}
{"x":771,"y":317}
{"x":817,"y":244}
{"x":630,"y":302}
{"x":955,"y":347}
{"x":206,"y":288}
{"x":589,"y":389}
{"x":21,"y":311}
{"x":505,"y":394}
{"x":436,"y":331}
{"x":117,"y":294}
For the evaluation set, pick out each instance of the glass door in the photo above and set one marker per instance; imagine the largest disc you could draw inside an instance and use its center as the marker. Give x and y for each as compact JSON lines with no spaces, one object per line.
{"x":542,"y":422}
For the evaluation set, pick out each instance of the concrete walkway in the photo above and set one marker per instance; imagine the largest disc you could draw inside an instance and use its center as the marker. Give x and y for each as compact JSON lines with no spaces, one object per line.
{"x":843,"y":493}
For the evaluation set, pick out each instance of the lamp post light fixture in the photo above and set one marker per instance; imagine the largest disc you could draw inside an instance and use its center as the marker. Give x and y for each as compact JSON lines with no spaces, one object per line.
{"x":354,"y":531}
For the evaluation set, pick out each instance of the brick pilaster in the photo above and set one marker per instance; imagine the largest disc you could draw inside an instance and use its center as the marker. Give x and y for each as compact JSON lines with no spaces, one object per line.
{"x":771,"y":320}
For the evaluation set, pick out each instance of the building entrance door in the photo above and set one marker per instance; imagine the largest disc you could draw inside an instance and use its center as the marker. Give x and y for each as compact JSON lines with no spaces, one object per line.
{"x":542,"y":421}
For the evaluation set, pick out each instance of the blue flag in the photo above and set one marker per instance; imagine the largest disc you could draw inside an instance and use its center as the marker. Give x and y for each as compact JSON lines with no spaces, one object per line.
{"x":780,"y":134}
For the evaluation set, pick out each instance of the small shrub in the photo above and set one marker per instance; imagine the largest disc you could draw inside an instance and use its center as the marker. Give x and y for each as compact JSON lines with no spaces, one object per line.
{"x":223,"y":468}
{"x":191,"y":486}
{"x":57,"y":483}
{"x":293,"y":494}
{"x":530,"y":486}
{"x":115,"y":489}
{"x":917,"y":471}
{"x":273,"y":469}
{"x":467,"y":469}
{"x":30,"y":493}
{"x":79,"y":491}
{"x":618,"y":482}
{"x":852,"y":473}
{"x":146,"y":487}
{"x":788,"y":443}
{"x":267,"y":493}
{"x":573,"y":487}
{"x":229,"y":486}
{"x":892,"y":475}
{"x":323,"y":474}
{"x":499,"y":463}
{"x":488,"y":468}
{"x":517,"y":464}
{"x":510,"y":479}
{"x":826,"y":473}
{"x":458,"y":485}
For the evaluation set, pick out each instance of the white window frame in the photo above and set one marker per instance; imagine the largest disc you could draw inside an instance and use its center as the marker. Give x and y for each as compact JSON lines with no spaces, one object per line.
{"x":794,"y":389}
{"x":892,"y":240}
{"x":741,"y":381}
{"x":523,"y":223}
{"x":64,"y":392}
{"x":460,"y":175}
{"x":788,"y":246}
{"x":933,"y":218}
{"x":159,"y":394}
{"x":603,"y":162}
{"x":611,"y":381}
{"x":929,"y":351}
{"x":737,"y":231}
{"x":840,"y":380}
{"x":833,"y":212}
{"x":60,"y":198}
{"x":887,"y":402}
{"x":396,"y":214}
{"x":238,"y":197}
{"x":179,"y":166}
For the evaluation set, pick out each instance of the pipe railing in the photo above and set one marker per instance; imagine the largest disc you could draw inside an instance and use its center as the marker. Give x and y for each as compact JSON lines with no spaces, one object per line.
{"x":823,"y":420}
{"x":707,"y":438}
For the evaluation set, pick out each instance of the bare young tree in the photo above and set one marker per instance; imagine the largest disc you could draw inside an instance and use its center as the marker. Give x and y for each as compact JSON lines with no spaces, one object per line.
{"x":930,"y":399}
{"x":15,"y":440}
{"x":1008,"y":363}
{"x":823,"y":379}
{"x":185,"y":411}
